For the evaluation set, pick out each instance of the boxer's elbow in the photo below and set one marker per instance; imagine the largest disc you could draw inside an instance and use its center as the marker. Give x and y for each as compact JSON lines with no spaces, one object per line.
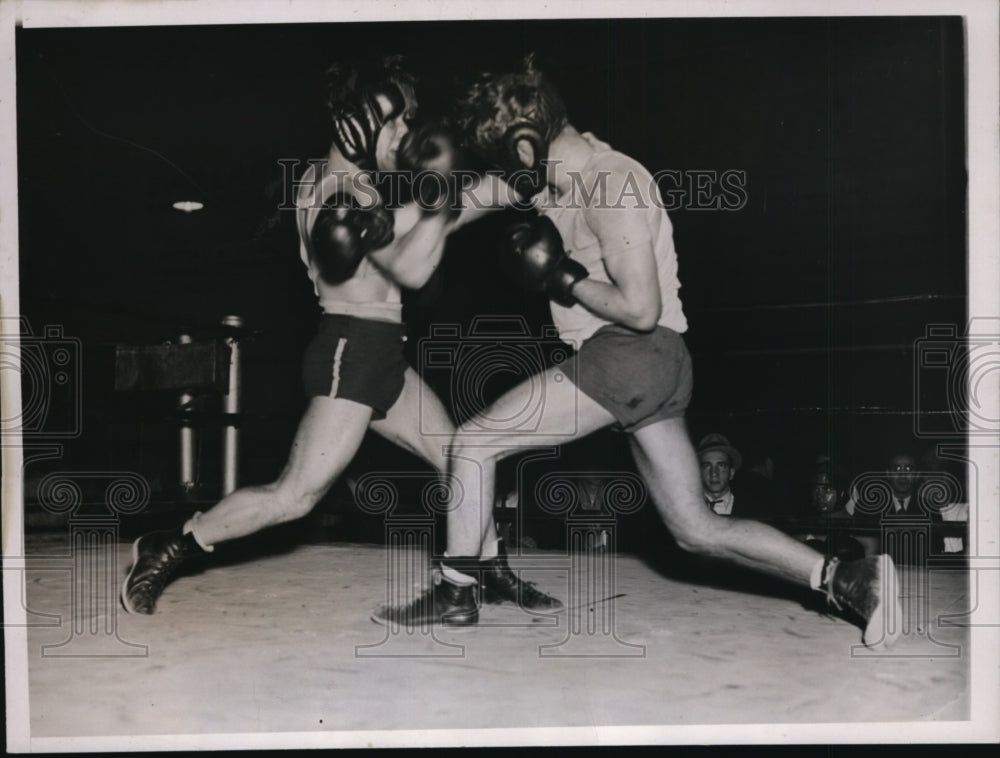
{"x":644,"y":313}
{"x":414,"y":272}
{"x":412,"y":277}
{"x":645,"y":321}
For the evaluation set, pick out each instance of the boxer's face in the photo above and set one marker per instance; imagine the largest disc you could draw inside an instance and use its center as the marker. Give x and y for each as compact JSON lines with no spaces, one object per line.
{"x":716,"y":472}
{"x":389,"y":137}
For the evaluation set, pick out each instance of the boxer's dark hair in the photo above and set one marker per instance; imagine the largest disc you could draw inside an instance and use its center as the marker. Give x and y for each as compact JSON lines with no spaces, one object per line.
{"x":343,"y":80}
{"x":495,"y":102}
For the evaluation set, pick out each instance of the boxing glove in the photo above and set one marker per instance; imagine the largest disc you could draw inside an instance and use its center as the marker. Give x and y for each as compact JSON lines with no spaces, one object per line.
{"x":432,"y":163}
{"x":533,"y":254}
{"x":344,"y":234}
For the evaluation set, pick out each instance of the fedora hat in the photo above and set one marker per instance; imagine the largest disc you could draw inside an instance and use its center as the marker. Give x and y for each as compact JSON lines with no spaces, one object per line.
{"x":714,"y":441}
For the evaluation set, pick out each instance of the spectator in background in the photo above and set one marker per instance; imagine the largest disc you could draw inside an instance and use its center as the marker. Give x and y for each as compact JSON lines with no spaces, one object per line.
{"x":825,"y":497}
{"x":914,"y":492}
{"x":719,"y":462}
{"x":901,"y":476}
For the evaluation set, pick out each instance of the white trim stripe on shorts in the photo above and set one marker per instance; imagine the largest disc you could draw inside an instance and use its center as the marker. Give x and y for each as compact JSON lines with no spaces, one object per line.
{"x":335,"y":383}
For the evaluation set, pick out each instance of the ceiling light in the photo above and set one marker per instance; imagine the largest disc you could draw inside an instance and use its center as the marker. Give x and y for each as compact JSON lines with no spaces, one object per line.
{"x":188,"y":206}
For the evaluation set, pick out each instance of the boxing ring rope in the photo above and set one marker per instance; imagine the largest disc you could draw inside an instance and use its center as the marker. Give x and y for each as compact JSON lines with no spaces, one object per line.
{"x":895,"y":300}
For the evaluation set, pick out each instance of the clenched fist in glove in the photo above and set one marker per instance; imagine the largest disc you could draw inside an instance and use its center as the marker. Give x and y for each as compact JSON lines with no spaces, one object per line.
{"x":433,"y":165}
{"x":344,"y":234}
{"x":533,"y":254}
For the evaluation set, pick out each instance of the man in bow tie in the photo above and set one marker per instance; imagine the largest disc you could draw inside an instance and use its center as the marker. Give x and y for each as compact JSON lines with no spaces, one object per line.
{"x":719,"y":462}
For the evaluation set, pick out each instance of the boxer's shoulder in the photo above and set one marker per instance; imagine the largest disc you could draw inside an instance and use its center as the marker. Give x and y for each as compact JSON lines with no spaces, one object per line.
{"x":620,"y":168}
{"x":332,"y":175}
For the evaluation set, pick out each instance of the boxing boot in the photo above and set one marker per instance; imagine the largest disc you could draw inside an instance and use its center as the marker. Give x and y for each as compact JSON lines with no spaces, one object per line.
{"x":869,"y":588}
{"x":500,"y":584}
{"x":155,"y":559}
{"x":446,"y":602}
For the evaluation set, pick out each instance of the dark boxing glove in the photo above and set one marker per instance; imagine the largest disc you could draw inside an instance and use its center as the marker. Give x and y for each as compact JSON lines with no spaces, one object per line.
{"x":432,"y":166}
{"x":344,"y":234}
{"x":534,"y":255}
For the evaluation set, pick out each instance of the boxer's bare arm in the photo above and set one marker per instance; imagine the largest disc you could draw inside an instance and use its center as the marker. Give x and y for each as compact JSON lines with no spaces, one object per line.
{"x":416,"y":250}
{"x":485,"y":194}
{"x":411,"y":258}
{"x":632,"y":298}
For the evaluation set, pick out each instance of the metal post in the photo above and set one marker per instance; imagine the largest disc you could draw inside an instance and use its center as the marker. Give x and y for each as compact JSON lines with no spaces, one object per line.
{"x":187,"y":432}
{"x":231,"y":407}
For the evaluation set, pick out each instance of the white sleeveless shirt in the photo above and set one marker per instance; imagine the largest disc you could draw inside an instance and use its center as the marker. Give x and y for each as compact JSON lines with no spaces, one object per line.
{"x":612,"y":181}
{"x":321,"y":180}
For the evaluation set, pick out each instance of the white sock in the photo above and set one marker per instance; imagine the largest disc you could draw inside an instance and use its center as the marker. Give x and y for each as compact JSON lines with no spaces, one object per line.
{"x":816,"y":577}
{"x":188,"y":528}
{"x":490,"y":549}
{"x":455,"y":577}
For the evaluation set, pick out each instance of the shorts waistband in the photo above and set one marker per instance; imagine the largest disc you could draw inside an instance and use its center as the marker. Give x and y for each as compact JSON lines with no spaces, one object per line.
{"x":624,"y":331}
{"x":336,"y":320}
{"x":368,"y":311}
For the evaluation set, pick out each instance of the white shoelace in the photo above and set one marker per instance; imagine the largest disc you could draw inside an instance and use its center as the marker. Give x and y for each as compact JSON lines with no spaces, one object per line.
{"x":829,"y":569}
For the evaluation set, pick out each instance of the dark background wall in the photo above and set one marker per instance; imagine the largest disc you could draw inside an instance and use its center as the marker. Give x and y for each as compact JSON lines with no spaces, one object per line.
{"x":805,"y":304}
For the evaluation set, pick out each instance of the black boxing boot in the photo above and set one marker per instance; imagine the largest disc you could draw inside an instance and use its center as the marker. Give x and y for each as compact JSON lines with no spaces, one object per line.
{"x":870,"y":588}
{"x":446,"y":602}
{"x":500,"y":584}
{"x":155,"y":559}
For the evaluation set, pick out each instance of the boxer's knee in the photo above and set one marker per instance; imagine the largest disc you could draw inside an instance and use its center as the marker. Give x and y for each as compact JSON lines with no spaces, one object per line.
{"x":468,"y":451}
{"x":693,"y":540}
{"x":289,"y":501}
{"x":471,"y":467}
{"x":701,"y":535}
{"x":435,"y":453}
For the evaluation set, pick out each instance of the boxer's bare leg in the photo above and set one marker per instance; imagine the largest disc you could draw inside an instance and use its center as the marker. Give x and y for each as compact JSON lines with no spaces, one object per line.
{"x":667,"y":463}
{"x":418,"y":408}
{"x":328,"y":436}
{"x":567,"y":414}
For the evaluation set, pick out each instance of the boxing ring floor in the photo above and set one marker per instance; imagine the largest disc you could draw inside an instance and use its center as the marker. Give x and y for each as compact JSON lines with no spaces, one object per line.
{"x":282,"y":642}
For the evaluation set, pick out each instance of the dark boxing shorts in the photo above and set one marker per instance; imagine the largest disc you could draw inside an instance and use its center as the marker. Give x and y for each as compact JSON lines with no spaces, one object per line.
{"x":356,"y":359}
{"x":640,"y":378}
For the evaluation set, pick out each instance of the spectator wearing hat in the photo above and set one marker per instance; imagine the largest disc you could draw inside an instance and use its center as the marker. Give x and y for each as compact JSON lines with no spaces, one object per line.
{"x":719,"y":462}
